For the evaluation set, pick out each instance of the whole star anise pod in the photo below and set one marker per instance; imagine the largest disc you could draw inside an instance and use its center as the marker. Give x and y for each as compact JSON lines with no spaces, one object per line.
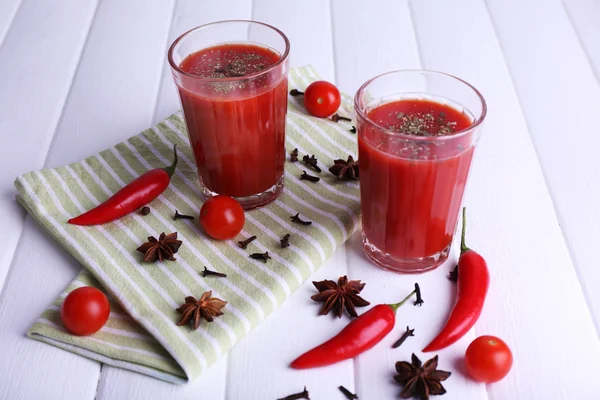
{"x":161,"y":249}
{"x":193,"y":310}
{"x":338,"y":295}
{"x":420,"y":380}
{"x":345,"y":170}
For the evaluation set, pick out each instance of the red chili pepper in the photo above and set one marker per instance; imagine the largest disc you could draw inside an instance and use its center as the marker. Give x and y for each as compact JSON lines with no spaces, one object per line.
{"x":357,"y":337}
{"x":138,"y":193}
{"x":473,"y":283}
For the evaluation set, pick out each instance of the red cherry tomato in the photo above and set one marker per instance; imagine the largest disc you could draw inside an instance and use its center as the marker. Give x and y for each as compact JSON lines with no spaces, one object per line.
{"x":84,"y":311}
{"x":488,"y":359}
{"x":322,"y":98}
{"x":222,"y":217}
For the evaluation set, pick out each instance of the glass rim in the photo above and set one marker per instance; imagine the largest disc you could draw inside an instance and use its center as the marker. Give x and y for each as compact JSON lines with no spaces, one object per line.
{"x":476,"y":122}
{"x":177,"y":41}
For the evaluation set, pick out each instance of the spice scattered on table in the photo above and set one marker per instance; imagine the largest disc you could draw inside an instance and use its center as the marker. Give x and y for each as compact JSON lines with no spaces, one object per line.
{"x":336,"y":117}
{"x":405,"y":335}
{"x":310,"y":178}
{"x":473,"y":283}
{"x":345,"y":170}
{"x":145,"y":210}
{"x":349,"y":395}
{"x":296,"y":92}
{"x":261,"y":256}
{"x":357,"y":337}
{"x":162,"y":249}
{"x":296,"y":396}
{"x":136,"y":194}
{"x":181,"y":216}
{"x":194,"y":310}
{"x":296,"y":218}
{"x":353,"y":129}
{"x":420,"y":380}
{"x":208,"y":272}
{"x":419,"y":301}
{"x":311,"y":162}
{"x":453,"y":276}
{"x":244,"y":243}
{"x":294,"y":155}
{"x":340,"y":295}
{"x":285,"y":241}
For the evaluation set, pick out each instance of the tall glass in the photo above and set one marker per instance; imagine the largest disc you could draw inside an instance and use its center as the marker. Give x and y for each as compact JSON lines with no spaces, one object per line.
{"x":412,"y":184}
{"x":235,"y":111}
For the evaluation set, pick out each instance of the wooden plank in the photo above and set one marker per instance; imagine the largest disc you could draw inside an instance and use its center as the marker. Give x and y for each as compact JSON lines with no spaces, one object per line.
{"x":358,"y":60}
{"x":32,"y":369}
{"x":512,"y":220}
{"x":39,"y":56}
{"x":585,"y":17}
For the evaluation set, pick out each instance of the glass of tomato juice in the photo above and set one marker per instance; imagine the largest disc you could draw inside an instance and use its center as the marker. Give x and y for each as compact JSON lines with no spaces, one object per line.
{"x":417,"y":132}
{"x":232,"y":82}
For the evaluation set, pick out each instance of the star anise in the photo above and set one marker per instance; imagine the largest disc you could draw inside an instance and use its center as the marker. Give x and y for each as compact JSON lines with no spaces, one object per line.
{"x":338,"y":295}
{"x":420,"y":380}
{"x":345,"y":170}
{"x":161,"y":249}
{"x":193,"y":310}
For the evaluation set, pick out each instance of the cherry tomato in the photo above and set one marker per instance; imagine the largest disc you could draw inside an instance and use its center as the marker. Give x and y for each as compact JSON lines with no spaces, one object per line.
{"x":84,"y":311}
{"x":222,"y":217}
{"x":488,"y":359}
{"x":322,"y":98}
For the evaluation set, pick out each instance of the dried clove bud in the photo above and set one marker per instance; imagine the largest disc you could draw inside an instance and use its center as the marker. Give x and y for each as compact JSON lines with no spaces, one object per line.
{"x":419,"y":300}
{"x":208,"y":272}
{"x":145,"y":210}
{"x":405,"y":335}
{"x":244,"y":243}
{"x":261,"y":256}
{"x":349,"y":395}
{"x":311,"y":162}
{"x":285,"y":242}
{"x":307,"y":177}
{"x":353,"y":129}
{"x":181,"y":216}
{"x":296,"y":218}
{"x":294,"y":155}
{"x":296,"y":396}
{"x":296,"y":92}
{"x":453,"y":276}
{"x":336,"y":117}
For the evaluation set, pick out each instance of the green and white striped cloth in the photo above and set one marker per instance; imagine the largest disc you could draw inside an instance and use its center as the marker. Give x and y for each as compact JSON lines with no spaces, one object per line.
{"x":141,"y":334}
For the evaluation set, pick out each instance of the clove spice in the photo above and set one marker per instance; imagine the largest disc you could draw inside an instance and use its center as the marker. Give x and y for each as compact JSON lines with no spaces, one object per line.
{"x":349,"y":395}
{"x":353,"y":129}
{"x":294,"y":155}
{"x":419,"y":300}
{"x":208,"y":272}
{"x":296,"y":92}
{"x":181,"y":216}
{"x":405,"y":335}
{"x":244,"y":243}
{"x":145,"y":210}
{"x":285,"y":242}
{"x":261,"y":256}
{"x":296,"y":396}
{"x":296,"y":218}
{"x":307,"y":177}
{"x":453,"y":276}
{"x":311,"y":162}
{"x":336,"y":117}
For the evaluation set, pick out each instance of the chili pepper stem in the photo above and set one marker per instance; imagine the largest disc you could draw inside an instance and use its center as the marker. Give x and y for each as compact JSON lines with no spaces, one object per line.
{"x":463,"y":246}
{"x":394,"y":307}
{"x":170,"y":170}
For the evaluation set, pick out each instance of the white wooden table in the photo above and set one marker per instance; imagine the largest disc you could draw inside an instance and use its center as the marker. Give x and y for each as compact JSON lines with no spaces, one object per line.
{"x":77,"y":76}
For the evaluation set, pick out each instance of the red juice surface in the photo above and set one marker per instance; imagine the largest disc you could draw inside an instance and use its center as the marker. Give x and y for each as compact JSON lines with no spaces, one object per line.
{"x":412,"y":186}
{"x":236,"y":125}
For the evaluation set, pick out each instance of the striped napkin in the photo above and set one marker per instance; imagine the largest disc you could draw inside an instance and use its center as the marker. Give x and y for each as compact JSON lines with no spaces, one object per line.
{"x":141,"y":334}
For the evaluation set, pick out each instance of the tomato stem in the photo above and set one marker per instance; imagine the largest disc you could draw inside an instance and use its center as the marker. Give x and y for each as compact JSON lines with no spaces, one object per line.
{"x":394,"y":307}
{"x":170,"y":170}
{"x":463,"y":246}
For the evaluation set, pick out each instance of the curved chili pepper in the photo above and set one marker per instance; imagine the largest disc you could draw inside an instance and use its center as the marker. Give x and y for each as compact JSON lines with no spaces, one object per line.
{"x":139,"y":192}
{"x":473,"y":283}
{"x":357,"y":337}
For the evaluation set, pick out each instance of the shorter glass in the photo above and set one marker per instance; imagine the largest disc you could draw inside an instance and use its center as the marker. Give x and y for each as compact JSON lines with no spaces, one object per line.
{"x":232,"y":81}
{"x":412,"y":186}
